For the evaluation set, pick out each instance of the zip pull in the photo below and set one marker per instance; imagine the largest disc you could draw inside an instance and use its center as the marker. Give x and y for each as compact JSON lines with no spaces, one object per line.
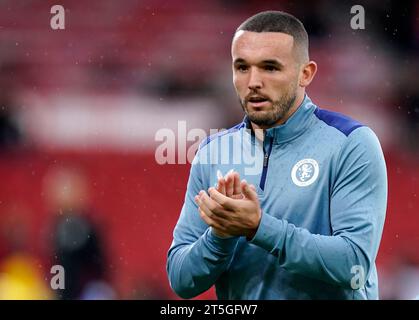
{"x":267,"y":152}
{"x":266,"y":155}
{"x":265,"y":159}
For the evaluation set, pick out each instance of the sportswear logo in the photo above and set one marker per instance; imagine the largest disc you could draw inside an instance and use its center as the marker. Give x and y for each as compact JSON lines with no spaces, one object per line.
{"x":305,"y":172}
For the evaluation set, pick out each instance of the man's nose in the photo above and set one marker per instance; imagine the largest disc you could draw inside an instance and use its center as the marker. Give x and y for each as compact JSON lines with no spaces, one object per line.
{"x":255,"y":80}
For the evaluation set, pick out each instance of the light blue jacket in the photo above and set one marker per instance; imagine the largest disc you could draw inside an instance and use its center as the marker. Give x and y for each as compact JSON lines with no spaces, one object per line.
{"x":322,"y":185}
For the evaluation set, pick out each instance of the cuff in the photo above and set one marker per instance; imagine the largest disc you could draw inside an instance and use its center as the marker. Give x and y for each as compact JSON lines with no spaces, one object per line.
{"x":270,"y":234}
{"x":219,"y":244}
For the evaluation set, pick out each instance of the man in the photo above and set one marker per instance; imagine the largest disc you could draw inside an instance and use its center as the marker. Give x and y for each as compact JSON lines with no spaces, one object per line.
{"x":308,"y":222}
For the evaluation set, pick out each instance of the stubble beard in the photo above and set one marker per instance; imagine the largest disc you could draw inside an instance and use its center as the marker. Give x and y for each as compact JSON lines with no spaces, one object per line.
{"x":279,"y":109}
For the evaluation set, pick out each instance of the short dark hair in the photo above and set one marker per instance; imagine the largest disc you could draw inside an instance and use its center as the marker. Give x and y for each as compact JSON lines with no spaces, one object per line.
{"x":279,"y":21}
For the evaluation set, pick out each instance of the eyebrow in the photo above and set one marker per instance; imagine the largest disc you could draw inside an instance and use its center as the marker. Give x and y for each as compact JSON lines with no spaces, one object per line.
{"x":272,"y":62}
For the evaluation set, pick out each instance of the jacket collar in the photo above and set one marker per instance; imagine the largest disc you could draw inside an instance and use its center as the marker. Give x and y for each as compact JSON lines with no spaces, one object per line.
{"x":294,"y":126}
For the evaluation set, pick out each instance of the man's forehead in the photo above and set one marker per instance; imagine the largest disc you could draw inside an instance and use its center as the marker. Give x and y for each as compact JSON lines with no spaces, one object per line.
{"x":261,"y":43}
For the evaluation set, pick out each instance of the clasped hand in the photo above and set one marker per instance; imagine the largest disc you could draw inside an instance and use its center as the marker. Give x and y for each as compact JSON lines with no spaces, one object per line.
{"x":232,"y":208}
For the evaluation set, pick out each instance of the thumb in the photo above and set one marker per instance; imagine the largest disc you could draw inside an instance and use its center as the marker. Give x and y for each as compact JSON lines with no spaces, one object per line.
{"x":248,"y":191}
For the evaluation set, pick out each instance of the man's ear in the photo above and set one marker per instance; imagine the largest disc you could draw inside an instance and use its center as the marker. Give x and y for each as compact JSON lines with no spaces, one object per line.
{"x":307,"y":73}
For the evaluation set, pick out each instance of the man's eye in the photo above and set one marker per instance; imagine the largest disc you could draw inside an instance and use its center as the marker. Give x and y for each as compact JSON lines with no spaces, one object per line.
{"x":271,"y":68}
{"x":241,"y":68}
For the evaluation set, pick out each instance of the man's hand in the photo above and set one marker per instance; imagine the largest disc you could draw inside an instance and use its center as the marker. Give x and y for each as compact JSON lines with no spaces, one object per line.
{"x":228,"y":216}
{"x":230,"y":187}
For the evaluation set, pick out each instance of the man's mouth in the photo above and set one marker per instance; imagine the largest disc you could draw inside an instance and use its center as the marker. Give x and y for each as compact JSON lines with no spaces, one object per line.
{"x":258,"y":101}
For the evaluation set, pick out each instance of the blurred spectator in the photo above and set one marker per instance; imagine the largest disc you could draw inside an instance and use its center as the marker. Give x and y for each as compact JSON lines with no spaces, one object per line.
{"x":10,"y":134}
{"x":78,"y":245}
{"x":406,"y":103}
{"x":395,"y":23}
{"x":21,"y":279}
{"x":21,"y":275}
{"x":411,"y":105}
{"x":13,"y":229}
{"x":98,"y":290}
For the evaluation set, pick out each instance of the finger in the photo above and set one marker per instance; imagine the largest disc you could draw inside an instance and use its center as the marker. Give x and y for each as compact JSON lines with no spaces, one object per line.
{"x":206,"y":219}
{"x":220,"y":199}
{"x":212,"y":221}
{"x":229,"y":172}
{"x":248,"y":192}
{"x":202,"y":206}
{"x":212,"y":206}
{"x":236,"y":183}
{"x":221,"y":186}
{"x":253,"y":188}
{"x":219,"y":175}
{"x":229,"y":185}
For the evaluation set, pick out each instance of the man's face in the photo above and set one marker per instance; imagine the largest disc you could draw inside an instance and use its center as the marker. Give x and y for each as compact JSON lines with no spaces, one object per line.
{"x":265,"y":75}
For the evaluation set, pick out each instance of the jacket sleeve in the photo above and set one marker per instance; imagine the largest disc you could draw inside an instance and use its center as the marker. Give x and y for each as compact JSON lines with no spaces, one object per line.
{"x":196,"y":257}
{"x":357,"y":212}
